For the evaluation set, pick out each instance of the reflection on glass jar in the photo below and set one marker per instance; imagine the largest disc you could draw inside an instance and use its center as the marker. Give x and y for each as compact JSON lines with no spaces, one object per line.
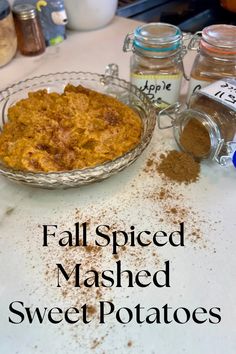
{"x":156,"y":65}
{"x":216,"y":56}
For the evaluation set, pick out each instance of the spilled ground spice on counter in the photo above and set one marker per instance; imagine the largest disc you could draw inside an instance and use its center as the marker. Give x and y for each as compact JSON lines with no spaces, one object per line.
{"x":169,"y":193}
{"x":129,"y":344}
{"x":155,"y":200}
{"x":92,"y":257}
{"x":179,"y":166}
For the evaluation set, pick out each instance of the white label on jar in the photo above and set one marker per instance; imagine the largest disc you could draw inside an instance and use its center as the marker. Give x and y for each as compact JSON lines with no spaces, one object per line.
{"x":159,"y":87}
{"x":223,"y":91}
{"x":196,"y":85}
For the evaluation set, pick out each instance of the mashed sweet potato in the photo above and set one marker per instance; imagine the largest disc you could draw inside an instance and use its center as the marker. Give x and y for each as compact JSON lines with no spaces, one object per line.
{"x":49,"y":132}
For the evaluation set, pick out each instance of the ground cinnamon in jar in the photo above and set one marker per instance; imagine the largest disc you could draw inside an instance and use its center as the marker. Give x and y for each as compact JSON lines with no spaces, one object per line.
{"x":179,"y":166}
{"x":195,"y":139}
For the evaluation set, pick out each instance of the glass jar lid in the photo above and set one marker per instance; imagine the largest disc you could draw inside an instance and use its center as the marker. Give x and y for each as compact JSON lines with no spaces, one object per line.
{"x":221,"y":37}
{"x":4,"y":9}
{"x":24,"y":11}
{"x":157,"y":37}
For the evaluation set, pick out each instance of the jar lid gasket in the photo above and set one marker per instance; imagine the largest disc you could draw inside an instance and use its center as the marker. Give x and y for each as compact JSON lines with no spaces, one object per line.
{"x":154,"y":49}
{"x":157,"y":37}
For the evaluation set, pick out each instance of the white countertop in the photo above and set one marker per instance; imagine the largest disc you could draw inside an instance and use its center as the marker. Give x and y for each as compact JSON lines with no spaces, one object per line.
{"x":82,"y":51}
{"x":202,"y":273}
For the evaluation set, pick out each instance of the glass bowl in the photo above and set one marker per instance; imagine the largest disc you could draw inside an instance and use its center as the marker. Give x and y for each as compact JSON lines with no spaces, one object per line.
{"x":106,"y":84}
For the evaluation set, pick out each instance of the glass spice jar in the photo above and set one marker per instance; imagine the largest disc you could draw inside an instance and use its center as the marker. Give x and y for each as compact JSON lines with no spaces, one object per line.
{"x":156,"y":65}
{"x":28,"y":29}
{"x":8,"y":41}
{"x":207,"y":128}
{"x":216,"y":56}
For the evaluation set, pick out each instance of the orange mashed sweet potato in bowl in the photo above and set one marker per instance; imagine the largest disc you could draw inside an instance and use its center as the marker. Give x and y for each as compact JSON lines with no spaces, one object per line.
{"x":76,"y":129}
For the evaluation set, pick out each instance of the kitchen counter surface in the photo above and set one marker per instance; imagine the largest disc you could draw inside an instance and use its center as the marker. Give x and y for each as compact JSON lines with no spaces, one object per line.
{"x":202,"y":273}
{"x":82,"y":51}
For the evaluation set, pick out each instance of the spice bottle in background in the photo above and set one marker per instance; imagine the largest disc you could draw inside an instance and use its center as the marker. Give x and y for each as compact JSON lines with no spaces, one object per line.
{"x":207,"y":129}
{"x":156,"y":65}
{"x":29,"y":32}
{"x":216,"y":57}
{"x":229,"y":5}
{"x":8,"y":41}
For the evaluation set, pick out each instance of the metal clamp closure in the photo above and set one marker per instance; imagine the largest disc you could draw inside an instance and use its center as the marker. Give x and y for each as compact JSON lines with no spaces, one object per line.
{"x":180,"y":55}
{"x":179,"y":60}
{"x":187,"y":36}
{"x":128,"y":43}
{"x":195,"y":40}
{"x":168,"y":112}
{"x":226,"y":160}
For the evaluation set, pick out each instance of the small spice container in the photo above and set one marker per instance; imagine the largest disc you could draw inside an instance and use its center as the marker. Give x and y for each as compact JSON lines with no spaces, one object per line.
{"x":8,"y":41}
{"x":29,"y":32}
{"x":156,"y":65}
{"x":207,"y":129}
{"x":216,"y":56}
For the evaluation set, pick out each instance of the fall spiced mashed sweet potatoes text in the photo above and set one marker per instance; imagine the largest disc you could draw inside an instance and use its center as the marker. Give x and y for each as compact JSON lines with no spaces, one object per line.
{"x":79,"y":128}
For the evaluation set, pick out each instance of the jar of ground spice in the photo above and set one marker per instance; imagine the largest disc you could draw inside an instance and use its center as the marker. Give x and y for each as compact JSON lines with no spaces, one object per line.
{"x":216,"y":56}
{"x":28,"y":29}
{"x":207,"y":128}
{"x":156,"y":65}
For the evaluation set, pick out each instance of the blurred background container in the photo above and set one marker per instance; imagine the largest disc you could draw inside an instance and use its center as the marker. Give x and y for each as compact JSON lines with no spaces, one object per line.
{"x":89,"y":14}
{"x":229,"y":5}
{"x":189,"y":16}
{"x":8,"y":41}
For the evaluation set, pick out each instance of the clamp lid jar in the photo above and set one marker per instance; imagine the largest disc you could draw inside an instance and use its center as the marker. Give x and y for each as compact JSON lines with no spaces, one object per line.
{"x":216,"y":58}
{"x":156,"y":65}
{"x":207,"y":128}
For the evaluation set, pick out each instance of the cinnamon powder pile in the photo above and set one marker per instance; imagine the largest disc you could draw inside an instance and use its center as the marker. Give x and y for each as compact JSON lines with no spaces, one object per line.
{"x":179,"y":167}
{"x":175,"y":206}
